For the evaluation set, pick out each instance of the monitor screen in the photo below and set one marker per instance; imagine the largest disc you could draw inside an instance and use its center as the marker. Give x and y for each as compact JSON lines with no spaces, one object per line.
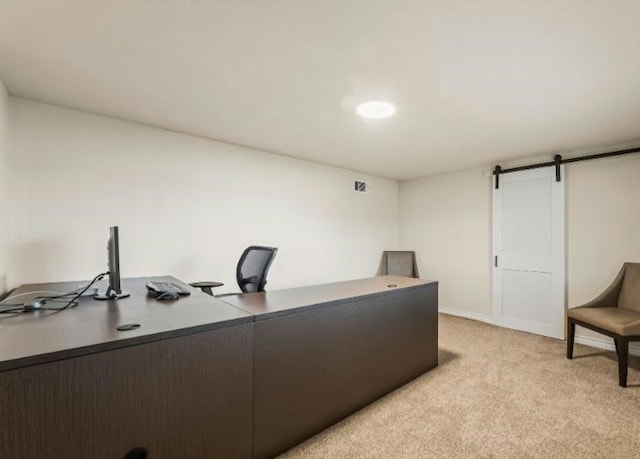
{"x":114,"y":289}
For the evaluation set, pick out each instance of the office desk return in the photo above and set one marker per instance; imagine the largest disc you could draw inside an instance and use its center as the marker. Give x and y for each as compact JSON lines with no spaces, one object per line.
{"x":323,"y":352}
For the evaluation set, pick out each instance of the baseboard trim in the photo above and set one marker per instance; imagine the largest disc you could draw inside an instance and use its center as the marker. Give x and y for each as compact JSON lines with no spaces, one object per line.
{"x":465,"y":314}
{"x":600,"y":343}
{"x":605,"y":343}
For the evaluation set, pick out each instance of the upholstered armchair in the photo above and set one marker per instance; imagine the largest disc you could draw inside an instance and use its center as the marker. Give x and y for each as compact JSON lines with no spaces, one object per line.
{"x":399,"y":263}
{"x":615,"y":313}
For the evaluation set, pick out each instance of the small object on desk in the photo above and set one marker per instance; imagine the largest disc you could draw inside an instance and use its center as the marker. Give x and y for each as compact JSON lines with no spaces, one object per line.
{"x":166,"y":290}
{"x":36,"y":303}
{"x":168,"y":296}
{"x":127,"y":327}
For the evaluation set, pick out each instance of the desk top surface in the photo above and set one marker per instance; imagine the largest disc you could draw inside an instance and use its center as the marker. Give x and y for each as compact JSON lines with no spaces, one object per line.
{"x":274,"y":303}
{"x":44,"y":336}
{"x":40,"y":336}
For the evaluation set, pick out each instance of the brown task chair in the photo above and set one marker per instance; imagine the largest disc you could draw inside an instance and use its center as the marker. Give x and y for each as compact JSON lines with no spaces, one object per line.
{"x":251,"y":272}
{"x":615,"y":313}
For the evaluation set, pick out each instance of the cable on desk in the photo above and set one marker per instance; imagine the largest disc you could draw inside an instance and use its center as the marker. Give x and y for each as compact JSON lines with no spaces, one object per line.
{"x":30,"y":293}
{"x":15,"y":308}
{"x":73,"y":301}
{"x":12,"y":309}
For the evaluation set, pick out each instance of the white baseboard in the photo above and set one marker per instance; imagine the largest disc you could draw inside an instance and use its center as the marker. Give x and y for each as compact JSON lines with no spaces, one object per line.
{"x":605,"y":343}
{"x":600,"y":343}
{"x":465,"y":314}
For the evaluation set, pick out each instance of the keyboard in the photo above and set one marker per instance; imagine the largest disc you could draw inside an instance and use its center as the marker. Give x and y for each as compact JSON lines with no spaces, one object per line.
{"x":159,"y":288}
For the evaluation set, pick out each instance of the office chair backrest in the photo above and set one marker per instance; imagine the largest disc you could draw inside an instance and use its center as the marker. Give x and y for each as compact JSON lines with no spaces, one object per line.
{"x":253,"y":268}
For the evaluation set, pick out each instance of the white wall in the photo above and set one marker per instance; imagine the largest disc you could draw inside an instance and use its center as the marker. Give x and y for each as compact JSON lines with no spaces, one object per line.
{"x":447,"y":220}
{"x":4,"y":189}
{"x":603,"y":223}
{"x":186,"y":206}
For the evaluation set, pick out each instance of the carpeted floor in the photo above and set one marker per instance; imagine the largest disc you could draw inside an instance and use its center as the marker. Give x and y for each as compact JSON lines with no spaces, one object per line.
{"x":496,"y":393}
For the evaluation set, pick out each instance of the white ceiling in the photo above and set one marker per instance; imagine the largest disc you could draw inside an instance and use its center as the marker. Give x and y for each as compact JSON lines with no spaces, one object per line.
{"x":473,"y":82}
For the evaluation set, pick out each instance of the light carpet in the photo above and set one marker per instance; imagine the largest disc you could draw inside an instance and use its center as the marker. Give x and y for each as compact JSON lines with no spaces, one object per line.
{"x":496,"y":393}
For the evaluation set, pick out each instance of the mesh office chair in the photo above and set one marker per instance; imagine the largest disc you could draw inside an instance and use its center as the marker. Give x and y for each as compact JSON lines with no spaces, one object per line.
{"x":251,"y":272}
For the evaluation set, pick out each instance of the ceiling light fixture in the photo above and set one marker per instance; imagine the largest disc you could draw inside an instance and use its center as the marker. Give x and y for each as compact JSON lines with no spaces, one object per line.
{"x":375,"y":109}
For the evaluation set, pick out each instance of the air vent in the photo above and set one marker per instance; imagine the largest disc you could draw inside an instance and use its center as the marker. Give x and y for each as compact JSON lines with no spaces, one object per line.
{"x":360,"y":186}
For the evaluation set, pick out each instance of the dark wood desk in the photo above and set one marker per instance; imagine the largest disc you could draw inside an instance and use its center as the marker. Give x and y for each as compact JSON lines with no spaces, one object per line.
{"x":202,"y":378}
{"x":323,"y":352}
{"x":72,"y":386}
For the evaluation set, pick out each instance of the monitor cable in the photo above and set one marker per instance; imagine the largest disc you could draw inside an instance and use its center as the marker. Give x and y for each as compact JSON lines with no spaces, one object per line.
{"x":44,"y":300}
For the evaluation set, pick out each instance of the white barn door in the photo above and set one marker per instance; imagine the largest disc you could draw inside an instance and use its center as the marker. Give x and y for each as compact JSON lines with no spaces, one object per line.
{"x":528,"y":245}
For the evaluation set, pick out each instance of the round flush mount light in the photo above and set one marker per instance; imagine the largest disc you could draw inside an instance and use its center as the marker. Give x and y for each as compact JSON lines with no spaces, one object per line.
{"x":375,"y":109}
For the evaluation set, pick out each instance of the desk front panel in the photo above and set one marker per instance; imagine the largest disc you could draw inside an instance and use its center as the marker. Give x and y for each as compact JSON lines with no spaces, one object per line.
{"x":46,"y":336}
{"x":190,"y":396}
{"x":317,"y":366}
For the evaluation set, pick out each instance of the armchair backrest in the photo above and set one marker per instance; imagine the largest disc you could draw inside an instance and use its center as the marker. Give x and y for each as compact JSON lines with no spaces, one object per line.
{"x":629,"y":298}
{"x":253,"y":268}
{"x":400,"y":263}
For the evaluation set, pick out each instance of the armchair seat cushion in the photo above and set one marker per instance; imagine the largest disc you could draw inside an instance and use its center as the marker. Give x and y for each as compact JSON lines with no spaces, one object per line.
{"x":620,"y":321}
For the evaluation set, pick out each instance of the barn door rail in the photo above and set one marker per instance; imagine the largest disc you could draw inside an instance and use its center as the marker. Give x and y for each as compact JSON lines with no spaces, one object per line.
{"x":558,"y":161}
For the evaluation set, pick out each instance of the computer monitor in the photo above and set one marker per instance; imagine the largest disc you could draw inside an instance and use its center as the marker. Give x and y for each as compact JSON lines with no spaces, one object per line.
{"x":113,"y":290}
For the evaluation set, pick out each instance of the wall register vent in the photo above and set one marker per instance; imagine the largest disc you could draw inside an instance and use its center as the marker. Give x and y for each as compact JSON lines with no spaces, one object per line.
{"x":360,"y":186}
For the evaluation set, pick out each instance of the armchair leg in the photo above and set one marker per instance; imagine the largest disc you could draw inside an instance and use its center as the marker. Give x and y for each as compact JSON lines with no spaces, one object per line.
{"x":571,"y":333}
{"x":623,"y":360}
{"x":615,"y":341}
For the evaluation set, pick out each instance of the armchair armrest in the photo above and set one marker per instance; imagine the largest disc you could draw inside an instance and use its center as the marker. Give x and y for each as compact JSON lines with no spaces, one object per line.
{"x":206,"y":286}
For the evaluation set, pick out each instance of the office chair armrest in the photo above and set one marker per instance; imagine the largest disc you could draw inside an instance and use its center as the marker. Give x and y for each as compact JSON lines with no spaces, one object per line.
{"x":206,"y":286}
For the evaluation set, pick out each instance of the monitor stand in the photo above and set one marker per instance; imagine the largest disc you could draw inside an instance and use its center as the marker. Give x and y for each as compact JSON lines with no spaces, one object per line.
{"x":111,"y":294}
